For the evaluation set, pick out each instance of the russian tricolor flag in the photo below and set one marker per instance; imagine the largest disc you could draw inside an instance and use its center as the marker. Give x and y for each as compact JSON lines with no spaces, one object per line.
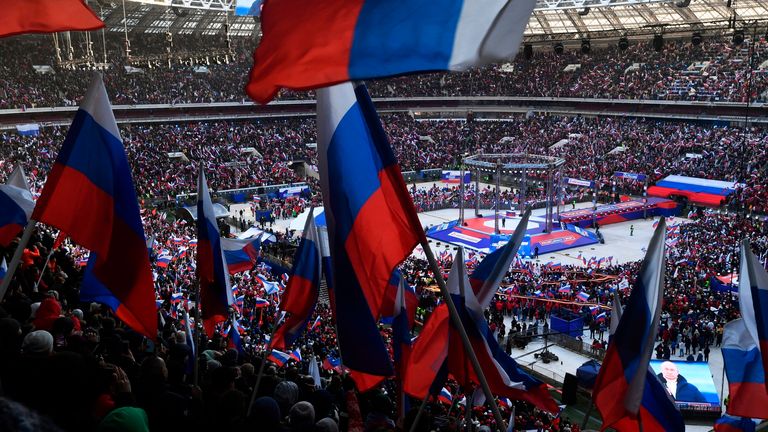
{"x":583,"y":296}
{"x":89,"y":195}
{"x":627,"y":392}
{"x":215,"y":291}
{"x":438,"y":341}
{"x":314,"y":44}
{"x":16,"y":206}
{"x":278,"y":357}
{"x":296,"y":355}
{"x":445,"y":396}
{"x":240,"y":254}
{"x":303,"y":288}
{"x":487,"y":276}
{"x":372,"y":224}
{"x":164,"y":259}
{"x":744,"y":368}
{"x":753,"y":300}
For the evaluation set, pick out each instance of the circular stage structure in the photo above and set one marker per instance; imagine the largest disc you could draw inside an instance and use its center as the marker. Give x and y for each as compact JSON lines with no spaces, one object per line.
{"x":523,"y":167}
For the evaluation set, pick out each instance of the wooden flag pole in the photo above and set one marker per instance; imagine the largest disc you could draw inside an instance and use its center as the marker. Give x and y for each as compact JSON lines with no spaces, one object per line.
{"x":17,"y":257}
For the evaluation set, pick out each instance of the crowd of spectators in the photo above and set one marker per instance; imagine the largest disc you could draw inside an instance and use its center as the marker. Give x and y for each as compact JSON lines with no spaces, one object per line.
{"x":53,"y":343}
{"x":715,"y":70}
{"x":260,"y":153}
{"x":69,"y":365}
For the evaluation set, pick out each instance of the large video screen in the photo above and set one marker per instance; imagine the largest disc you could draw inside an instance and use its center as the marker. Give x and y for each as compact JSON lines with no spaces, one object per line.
{"x":690,"y":383}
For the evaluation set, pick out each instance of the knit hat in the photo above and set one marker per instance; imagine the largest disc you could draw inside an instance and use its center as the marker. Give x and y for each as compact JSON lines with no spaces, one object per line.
{"x":327,"y":425}
{"x":301,"y":414}
{"x":126,"y":419}
{"x":266,"y":411}
{"x":286,"y":394}
{"x":38,"y":342}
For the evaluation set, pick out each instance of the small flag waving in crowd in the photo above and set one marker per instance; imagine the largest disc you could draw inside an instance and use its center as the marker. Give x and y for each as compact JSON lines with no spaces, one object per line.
{"x":16,"y":206}
{"x":240,"y":254}
{"x":320,"y":43}
{"x":89,"y":195}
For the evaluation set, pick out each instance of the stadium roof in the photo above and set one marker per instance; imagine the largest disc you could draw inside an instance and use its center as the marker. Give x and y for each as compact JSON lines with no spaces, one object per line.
{"x":552,"y":19}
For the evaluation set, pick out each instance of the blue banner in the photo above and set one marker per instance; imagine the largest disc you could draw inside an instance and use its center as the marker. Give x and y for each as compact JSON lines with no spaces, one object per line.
{"x":632,"y":176}
{"x":579,"y":182}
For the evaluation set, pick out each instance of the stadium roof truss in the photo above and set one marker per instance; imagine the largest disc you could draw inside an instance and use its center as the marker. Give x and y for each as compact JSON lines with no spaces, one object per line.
{"x":551,"y":20}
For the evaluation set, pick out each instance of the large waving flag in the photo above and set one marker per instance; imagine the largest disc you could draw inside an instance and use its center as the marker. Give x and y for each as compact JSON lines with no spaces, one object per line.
{"x":753,"y":300}
{"x":624,"y":389}
{"x":215,"y":291}
{"x":372,"y":224}
{"x":487,"y":276}
{"x":241,"y":255}
{"x":46,"y":16}
{"x":438,"y":341}
{"x":314,"y":44}
{"x":16,"y":206}
{"x":90,"y":195}
{"x":744,"y":368}
{"x":303,"y":288}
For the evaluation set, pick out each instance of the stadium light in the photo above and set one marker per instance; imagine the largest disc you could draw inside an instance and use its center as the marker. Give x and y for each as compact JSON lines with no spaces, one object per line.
{"x":696,"y":38}
{"x":738,"y":37}
{"x":623,"y":43}
{"x":658,"y":42}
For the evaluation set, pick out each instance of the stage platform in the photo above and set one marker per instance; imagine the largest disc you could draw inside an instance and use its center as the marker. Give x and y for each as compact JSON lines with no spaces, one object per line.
{"x":478,"y":234}
{"x":621,"y":212}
